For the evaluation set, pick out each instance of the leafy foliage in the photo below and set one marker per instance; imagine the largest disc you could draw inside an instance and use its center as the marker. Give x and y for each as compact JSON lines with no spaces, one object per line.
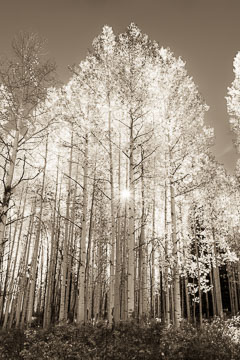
{"x":128,"y":340}
{"x":11,"y":344}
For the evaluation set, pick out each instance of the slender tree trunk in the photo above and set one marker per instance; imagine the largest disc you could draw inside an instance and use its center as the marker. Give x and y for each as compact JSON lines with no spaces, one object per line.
{"x":39,"y":295}
{"x":214,"y":306}
{"x":116,"y":314}
{"x":97,"y":299}
{"x":131,"y":235}
{"x":176,"y":277}
{"x":89,"y":250}
{"x":56,"y":285}
{"x":73,"y":235}
{"x":124,"y":280}
{"x":230,"y":290}
{"x":235,"y":290}
{"x":187,"y":298}
{"x":33,"y":272}
{"x":207,"y":304}
{"x":153,"y":309}
{"x":194,"y":310}
{"x":22,"y":277}
{"x":166,"y":265}
{"x":65,"y":256}
{"x":50,"y":279}
{"x":81,"y":298}
{"x":216,"y":278}
{"x":199,"y":280}
{"x":113,"y":230}
{"x":8,"y":188}
{"x":6,"y":290}
{"x":69,"y":277}
{"x":142,"y":252}
{"x":12,"y":285}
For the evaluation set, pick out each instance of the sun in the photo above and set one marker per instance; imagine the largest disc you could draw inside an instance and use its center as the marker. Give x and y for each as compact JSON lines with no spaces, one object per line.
{"x":125,"y":194}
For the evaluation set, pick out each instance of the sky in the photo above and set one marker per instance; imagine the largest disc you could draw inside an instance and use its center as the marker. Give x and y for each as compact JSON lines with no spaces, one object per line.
{"x":205,"y":33}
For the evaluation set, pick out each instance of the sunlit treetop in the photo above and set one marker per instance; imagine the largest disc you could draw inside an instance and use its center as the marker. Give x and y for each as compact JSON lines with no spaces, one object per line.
{"x":233,"y":100}
{"x":236,"y":65}
{"x":104,"y":44}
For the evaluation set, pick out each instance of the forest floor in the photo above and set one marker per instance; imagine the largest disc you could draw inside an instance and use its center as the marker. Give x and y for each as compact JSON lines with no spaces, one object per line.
{"x":217,"y":339}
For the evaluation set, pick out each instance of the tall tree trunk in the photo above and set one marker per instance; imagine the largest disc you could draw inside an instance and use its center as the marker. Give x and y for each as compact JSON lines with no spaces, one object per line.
{"x":199,"y":286}
{"x":6,"y":292}
{"x":65,"y":256}
{"x":214,"y":306}
{"x":81,"y":298}
{"x":166,"y":265}
{"x":8,"y":188}
{"x":22,"y":272}
{"x":116,"y":314}
{"x":230,"y":290}
{"x":216,"y":278}
{"x":153,"y":310}
{"x":124,"y":305}
{"x":113,"y":230}
{"x":207,"y":304}
{"x":73,"y":235}
{"x":11,"y":286}
{"x":50,"y":279}
{"x":89,"y":251}
{"x":142,"y":252}
{"x":176,"y":277}
{"x":187,"y":298}
{"x":198,"y":275}
{"x":33,"y":271}
{"x":131,"y":230}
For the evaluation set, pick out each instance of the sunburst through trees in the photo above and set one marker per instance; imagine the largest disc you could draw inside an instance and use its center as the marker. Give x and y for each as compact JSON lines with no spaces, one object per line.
{"x":112,"y":206}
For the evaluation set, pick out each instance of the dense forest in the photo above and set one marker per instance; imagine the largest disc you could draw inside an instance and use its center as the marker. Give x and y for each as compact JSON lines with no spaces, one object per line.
{"x":113,"y":206}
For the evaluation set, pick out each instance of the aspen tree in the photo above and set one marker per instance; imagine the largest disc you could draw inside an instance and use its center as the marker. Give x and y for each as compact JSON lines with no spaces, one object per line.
{"x":89,"y":251}
{"x":25,"y":78}
{"x":142,"y":250}
{"x":8,"y":270}
{"x":198,"y":278}
{"x":216,"y":278}
{"x":34,"y":261}
{"x":50,"y":275}
{"x":176,"y":275}
{"x":56,"y":290}
{"x":124,"y":278}
{"x":64,"y":265}
{"x":118,"y":245}
{"x":23,"y":276}
{"x":187,"y":298}
{"x":40,"y":286}
{"x":182,"y":115}
{"x":166,"y":265}
{"x":104,"y":51}
{"x":11,"y":285}
{"x":153,"y":283}
{"x":233,"y":103}
{"x":81,"y":297}
{"x":72,"y":236}
{"x":134,"y":50}
{"x":113,"y":227}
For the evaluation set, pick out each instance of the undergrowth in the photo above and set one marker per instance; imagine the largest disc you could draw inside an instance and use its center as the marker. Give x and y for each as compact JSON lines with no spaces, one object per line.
{"x":130,"y":340}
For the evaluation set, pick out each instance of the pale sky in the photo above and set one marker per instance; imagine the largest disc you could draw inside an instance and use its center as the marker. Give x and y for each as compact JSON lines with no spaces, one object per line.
{"x":205,"y":33}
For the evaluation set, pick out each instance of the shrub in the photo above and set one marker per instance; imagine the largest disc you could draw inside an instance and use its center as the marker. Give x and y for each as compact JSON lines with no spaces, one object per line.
{"x":11,"y":344}
{"x":209,"y":342}
{"x":128,"y":340}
